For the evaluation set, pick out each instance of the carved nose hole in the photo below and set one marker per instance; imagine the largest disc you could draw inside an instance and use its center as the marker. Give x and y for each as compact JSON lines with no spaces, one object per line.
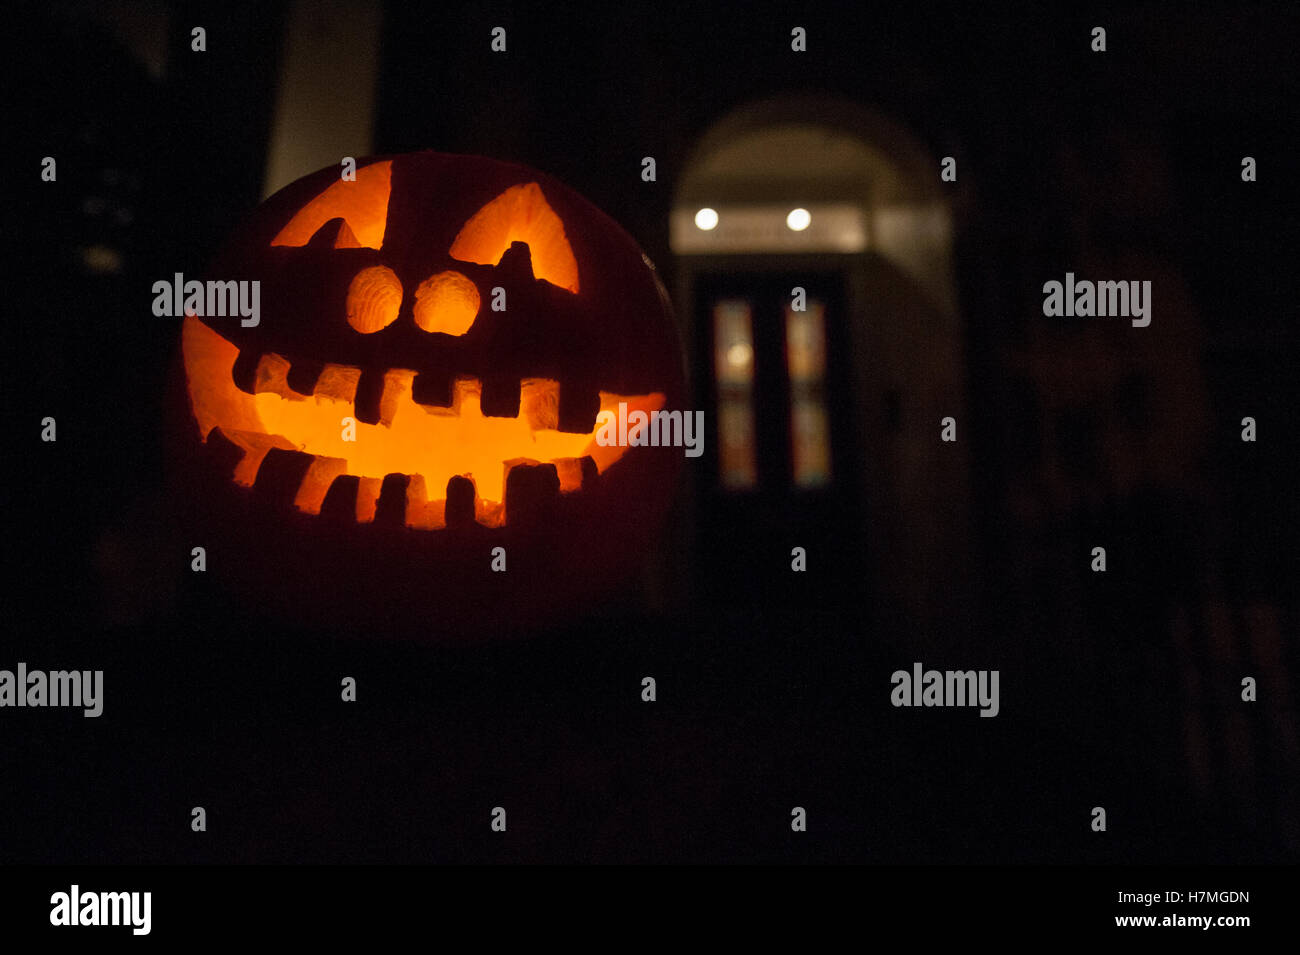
{"x":447,"y":302}
{"x":374,"y":299}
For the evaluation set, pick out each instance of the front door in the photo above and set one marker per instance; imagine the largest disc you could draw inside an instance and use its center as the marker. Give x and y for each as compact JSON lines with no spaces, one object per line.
{"x":783,"y":441}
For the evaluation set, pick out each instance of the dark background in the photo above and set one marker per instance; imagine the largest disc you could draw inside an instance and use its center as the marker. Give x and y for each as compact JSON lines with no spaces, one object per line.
{"x":1118,"y":690}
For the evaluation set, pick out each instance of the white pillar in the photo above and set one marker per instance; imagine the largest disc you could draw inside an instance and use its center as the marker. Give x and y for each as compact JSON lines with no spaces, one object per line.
{"x":325,"y":103}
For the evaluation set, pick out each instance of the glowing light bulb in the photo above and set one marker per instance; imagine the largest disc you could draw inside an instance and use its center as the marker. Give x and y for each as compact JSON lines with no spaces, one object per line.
{"x":798,"y":219}
{"x":706,"y":219}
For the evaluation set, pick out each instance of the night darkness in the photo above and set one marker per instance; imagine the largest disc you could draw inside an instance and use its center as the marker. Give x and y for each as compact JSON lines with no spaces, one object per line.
{"x":1119,"y":689}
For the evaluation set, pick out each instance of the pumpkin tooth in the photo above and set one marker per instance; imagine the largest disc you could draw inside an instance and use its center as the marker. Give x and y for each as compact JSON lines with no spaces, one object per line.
{"x":340,"y":504}
{"x":390,"y":510}
{"x":279,"y":477}
{"x":500,"y":396}
{"x":539,"y":403}
{"x":320,"y":477}
{"x":422,"y":513}
{"x":460,"y":502}
{"x":303,"y":375}
{"x":368,"y":490}
{"x":532,"y":493}
{"x":579,"y":405}
{"x":272,"y":375}
{"x":432,"y":389}
{"x":369,"y":397}
{"x":396,"y":392}
{"x":337,"y":382}
{"x":577,"y":474}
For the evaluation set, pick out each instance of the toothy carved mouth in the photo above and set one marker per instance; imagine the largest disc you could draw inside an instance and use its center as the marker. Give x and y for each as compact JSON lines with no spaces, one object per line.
{"x":425,"y":445}
{"x":373,"y":392}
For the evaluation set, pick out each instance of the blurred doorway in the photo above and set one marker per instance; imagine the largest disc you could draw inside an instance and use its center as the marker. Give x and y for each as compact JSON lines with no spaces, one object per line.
{"x":823,"y":421}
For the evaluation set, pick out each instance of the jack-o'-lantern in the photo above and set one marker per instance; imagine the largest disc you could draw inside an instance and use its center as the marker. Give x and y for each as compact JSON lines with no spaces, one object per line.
{"x":436,"y":340}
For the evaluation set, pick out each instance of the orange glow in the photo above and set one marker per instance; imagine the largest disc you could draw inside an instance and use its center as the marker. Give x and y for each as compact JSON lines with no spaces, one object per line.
{"x":447,"y":302}
{"x":362,"y":204}
{"x":374,"y":299}
{"x":520,"y":214}
{"x":429,"y":443}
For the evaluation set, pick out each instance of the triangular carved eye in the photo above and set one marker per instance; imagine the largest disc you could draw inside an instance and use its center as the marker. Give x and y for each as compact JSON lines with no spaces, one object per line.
{"x":520,"y":214}
{"x":362,"y":205}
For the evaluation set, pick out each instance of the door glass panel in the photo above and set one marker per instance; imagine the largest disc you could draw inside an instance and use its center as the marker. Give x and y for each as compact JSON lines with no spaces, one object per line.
{"x":733,"y":369}
{"x":805,"y":356}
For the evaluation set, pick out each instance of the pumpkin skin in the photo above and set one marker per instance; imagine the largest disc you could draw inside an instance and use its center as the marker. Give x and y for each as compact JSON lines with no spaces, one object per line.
{"x":473,"y":428}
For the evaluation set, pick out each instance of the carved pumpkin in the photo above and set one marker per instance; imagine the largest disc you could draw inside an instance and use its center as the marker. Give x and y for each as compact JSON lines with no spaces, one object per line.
{"x":383,"y":410}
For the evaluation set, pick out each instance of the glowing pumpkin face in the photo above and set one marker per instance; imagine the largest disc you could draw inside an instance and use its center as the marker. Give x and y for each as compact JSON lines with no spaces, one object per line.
{"x":436,"y":341}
